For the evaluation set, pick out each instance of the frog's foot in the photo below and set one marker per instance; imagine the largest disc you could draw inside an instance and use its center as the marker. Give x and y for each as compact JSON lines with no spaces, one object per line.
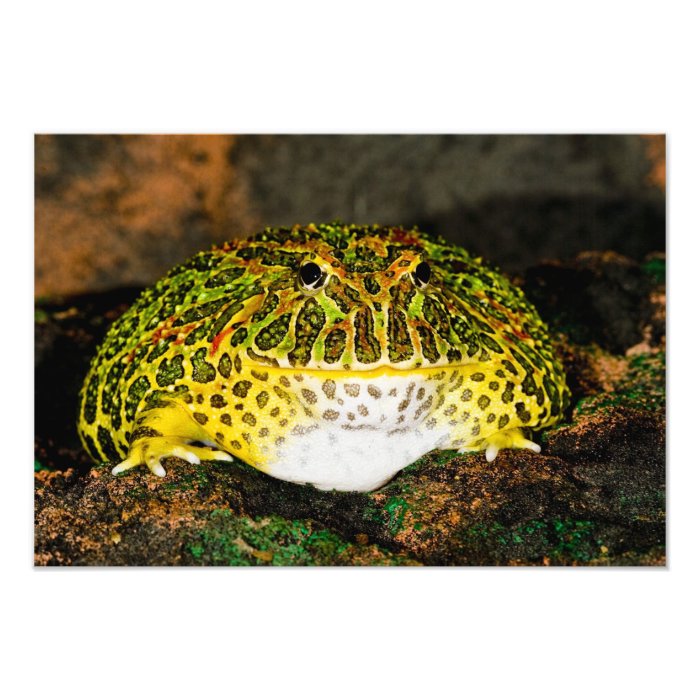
{"x":507,"y":438}
{"x":504,"y":439}
{"x":168,"y":431}
{"x":150,"y":451}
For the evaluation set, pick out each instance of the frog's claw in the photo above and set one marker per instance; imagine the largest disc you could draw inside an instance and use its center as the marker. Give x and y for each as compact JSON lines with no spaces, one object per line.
{"x":168,"y":431}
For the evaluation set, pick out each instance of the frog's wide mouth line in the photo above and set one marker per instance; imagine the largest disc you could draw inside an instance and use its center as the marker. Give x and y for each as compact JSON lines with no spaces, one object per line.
{"x":382,"y":370}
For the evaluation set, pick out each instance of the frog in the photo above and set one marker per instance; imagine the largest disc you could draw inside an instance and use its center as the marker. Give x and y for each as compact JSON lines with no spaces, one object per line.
{"x":331,"y":355}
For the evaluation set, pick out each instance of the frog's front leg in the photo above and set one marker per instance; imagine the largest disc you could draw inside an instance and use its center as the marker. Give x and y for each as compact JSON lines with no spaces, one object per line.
{"x":168,"y":430}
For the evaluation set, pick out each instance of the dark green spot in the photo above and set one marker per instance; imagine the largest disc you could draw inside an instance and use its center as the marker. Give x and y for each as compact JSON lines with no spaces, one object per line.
{"x":202,"y":371}
{"x":273,"y":334}
{"x":241,"y":388}
{"x":510,"y":366}
{"x":507,"y":395}
{"x":90,"y":407}
{"x":143,"y":431}
{"x":170,"y":372}
{"x":400,"y":346}
{"x":107,"y":444}
{"x":217,"y":401}
{"x":428,"y":344}
{"x":334,"y":345}
{"x":437,"y":316}
{"x":523,"y":414}
{"x":136,"y":392}
{"x":309,"y":323}
{"x":529,"y":385}
{"x":225,"y":365}
{"x":490,"y":343}
{"x":367,"y":348}
{"x":238,"y":336}
{"x":551,"y":389}
{"x":540,"y":396}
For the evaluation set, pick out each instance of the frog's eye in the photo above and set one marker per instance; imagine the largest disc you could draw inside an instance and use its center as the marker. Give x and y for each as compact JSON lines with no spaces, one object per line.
{"x":421,"y":275}
{"x":311,"y":277}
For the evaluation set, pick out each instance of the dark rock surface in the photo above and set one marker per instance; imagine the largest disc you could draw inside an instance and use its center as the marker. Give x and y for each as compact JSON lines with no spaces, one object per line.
{"x":594,"y":496}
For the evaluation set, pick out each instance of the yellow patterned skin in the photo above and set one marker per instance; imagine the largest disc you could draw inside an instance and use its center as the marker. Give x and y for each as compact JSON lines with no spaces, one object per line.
{"x":333,"y":355}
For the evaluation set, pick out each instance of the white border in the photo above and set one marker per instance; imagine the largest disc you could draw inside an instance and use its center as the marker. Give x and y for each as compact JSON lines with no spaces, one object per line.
{"x":376,"y":67}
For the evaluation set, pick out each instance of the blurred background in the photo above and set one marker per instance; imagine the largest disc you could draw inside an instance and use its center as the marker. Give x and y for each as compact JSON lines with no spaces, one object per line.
{"x":120,"y":210}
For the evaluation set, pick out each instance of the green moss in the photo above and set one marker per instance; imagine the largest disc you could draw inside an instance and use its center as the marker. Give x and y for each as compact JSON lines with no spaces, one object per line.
{"x":561,"y":541}
{"x":396,"y":508}
{"x":193,"y":479}
{"x":575,"y":540}
{"x":230,"y":540}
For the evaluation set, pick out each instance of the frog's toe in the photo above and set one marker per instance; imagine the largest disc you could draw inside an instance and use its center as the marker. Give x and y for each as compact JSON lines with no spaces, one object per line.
{"x":513,"y":438}
{"x":206,"y":453}
{"x":491,"y":453}
{"x":186,"y":454}
{"x":153,"y":463}
{"x":125,"y":465}
{"x":133,"y":460}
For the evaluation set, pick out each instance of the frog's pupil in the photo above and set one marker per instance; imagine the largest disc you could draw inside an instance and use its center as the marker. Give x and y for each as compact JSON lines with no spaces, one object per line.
{"x":422,"y":272}
{"x":310,"y":272}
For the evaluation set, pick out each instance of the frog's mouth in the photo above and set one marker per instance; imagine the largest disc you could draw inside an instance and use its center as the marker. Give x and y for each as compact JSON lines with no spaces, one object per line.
{"x":349,"y":371}
{"x":383,"y":364}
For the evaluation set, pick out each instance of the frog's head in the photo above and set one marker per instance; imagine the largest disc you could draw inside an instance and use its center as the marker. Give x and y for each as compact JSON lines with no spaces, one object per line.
{"x":358,"y":298}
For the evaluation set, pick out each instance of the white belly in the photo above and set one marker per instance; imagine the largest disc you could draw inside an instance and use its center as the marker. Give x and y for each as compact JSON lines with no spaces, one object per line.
{"x":361,"y":433}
